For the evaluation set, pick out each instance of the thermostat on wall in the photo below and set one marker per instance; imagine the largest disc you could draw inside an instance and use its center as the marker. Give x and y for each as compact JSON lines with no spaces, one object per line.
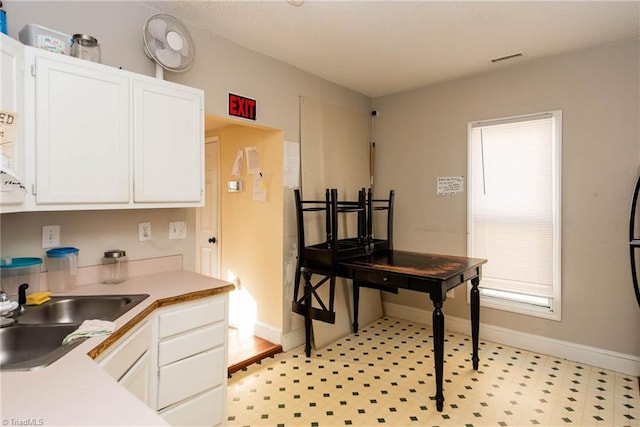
{"x":234,"y":186}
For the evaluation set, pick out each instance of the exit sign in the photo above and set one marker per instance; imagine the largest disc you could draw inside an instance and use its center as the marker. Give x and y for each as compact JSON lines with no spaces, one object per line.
{"x":241,"y":106}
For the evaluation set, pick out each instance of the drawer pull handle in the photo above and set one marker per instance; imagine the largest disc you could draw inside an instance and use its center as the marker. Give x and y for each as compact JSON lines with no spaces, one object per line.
{"x":385,"y":279}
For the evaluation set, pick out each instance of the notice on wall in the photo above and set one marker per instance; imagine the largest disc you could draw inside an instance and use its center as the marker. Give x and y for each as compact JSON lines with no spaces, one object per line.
{"x":237,"y":164}
{"x":8,"y":131}
{"x":253,"y":160}
{"x":259,"y":188}
{"x":450,"y":185}
{"x":291,"y":164}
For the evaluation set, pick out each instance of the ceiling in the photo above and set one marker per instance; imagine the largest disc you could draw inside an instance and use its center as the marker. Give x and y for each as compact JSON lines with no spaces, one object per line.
{"x":379,"y":48}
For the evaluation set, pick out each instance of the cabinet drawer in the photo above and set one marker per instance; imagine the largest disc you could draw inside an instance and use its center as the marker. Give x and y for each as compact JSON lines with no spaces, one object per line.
{"x":204,"y":371}
{"x":118,"y":362}
{"x":204,"y":409}
{"x":190,"y":317}
{"x":194,"y":342}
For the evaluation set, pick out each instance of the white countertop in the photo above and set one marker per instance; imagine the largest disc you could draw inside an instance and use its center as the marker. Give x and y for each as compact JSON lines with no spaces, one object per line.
{"x":74,"y":390}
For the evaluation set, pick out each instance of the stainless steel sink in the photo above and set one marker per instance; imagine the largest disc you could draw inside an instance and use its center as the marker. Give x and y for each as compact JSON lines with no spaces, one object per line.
{"x":32,"y":347}
{"x":79,"y":308}
{"x":35,"y":341}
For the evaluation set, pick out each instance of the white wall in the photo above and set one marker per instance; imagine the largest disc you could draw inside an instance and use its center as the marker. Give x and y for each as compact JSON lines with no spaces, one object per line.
{"x":421,"y":135}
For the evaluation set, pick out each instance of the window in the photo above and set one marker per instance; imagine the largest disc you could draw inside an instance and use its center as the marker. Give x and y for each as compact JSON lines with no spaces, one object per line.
{"x":514,"y":211}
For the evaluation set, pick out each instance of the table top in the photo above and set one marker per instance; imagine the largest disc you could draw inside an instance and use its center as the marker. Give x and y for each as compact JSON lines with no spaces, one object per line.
{"x":413,"y":264}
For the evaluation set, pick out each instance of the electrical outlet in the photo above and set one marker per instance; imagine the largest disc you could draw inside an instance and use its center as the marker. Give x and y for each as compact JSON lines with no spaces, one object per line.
{"x":144,"y":231}
{"x":177,"y":230}
{"x":50,"y":236}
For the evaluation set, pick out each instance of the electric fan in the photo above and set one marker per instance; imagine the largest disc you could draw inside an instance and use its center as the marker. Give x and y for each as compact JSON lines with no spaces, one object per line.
{"x":168,"y":43}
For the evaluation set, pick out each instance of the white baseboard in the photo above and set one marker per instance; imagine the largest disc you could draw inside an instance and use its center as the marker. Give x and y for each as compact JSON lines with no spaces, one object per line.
{"x":293,"y":339}
{"x":267,"y":332}
{"x":606,"y":359}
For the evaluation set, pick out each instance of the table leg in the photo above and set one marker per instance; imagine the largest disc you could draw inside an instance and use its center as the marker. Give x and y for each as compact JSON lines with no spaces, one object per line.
{"x":307,"y":318}
{"x":356,"y":304}
{"x":307,"y":335}
{"x":438,"y":350}
{"x":475,"y":320}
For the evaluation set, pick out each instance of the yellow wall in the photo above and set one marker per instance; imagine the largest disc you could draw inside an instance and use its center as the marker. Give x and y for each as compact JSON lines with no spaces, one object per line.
{"x":251,"y":231}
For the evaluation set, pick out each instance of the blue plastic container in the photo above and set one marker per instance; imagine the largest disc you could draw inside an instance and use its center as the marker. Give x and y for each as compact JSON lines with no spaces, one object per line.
{"x":62,"y":269}
{"x":3,"y":21}
{"x":16,"y":271}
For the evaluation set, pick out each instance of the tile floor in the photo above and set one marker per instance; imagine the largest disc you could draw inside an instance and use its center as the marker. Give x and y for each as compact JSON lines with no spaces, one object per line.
{"x":384,"y":376}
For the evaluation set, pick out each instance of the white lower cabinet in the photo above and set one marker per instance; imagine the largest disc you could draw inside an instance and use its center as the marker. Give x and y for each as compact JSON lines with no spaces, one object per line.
{"x":129,"y":362}
{"x":176,"y":361}
{"x":191,"y":362}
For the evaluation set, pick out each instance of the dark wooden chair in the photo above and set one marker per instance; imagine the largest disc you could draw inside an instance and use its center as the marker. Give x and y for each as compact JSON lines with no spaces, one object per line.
{"x":382,"y":206}
{"x":317,"y":263}
{"x":375,"y":243}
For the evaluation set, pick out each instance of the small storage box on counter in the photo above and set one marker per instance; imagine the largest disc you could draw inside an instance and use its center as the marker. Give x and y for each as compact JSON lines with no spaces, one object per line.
{"x":16,"y":271}
{"x":62,"y":269}
{"x":45,"y":38}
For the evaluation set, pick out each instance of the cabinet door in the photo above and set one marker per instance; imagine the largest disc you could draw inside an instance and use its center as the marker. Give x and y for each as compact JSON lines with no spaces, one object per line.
{"x":138,"y":379}
{"x":12,"y":119}
{"x":168,"y":143}
{"x":82,"y":132}
{"x":119,"y":360}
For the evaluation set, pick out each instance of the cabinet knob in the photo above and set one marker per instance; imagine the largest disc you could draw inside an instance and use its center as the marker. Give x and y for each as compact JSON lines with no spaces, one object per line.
{"x":212,"y":239}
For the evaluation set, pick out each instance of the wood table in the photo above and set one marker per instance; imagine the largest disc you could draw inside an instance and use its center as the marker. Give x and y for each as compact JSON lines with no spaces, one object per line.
{"x":390,"y":270}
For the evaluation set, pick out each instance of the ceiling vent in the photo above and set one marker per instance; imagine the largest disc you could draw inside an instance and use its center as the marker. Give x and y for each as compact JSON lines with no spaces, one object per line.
{"x":506,"y":58}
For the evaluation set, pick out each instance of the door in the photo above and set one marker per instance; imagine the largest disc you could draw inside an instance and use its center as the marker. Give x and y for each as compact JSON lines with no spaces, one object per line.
{"x":207,"y":259}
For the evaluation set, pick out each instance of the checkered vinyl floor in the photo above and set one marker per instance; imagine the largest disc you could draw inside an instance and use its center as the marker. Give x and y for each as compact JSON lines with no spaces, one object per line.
{"x":384,"y":376}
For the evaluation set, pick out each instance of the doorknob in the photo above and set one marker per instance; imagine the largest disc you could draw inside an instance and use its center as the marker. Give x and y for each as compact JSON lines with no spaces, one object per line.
{"x":212,"y":239}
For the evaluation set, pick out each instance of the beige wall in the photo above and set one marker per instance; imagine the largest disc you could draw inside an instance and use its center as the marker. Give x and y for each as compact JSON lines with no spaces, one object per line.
{"x":94,"y":232}
{"x":251,"y":231}
{"x":422,"y":135}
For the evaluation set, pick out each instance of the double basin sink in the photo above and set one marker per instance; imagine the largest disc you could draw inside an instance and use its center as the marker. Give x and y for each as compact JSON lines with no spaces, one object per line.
{"x":35,"y":340}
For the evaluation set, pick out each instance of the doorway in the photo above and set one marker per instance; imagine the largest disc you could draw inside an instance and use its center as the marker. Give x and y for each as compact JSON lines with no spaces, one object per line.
{"x":239,"y":234}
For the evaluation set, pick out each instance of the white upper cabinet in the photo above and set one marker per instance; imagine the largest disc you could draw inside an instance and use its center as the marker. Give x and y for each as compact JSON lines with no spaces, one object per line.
{"x":12,"y":184}
{"x":97,"y":137}
{"x":168,"y":131}
{"x":82,"y":133}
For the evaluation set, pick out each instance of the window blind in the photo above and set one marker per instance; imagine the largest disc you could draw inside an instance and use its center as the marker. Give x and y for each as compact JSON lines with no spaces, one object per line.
{"x":513,"y":204}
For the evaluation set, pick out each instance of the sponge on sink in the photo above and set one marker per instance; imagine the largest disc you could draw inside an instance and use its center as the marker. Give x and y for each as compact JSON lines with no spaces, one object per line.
{"x":38,"y":298}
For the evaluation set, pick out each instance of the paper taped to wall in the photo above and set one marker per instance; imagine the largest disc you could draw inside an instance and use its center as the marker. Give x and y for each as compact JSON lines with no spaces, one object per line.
{"x":450,"y":185}
{"x":237,"y":164}
{"x":253,"y":160}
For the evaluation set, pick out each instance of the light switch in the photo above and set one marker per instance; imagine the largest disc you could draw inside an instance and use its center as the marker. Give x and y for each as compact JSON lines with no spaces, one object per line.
{"x":177,"y":230}
{"x":50,"y":236}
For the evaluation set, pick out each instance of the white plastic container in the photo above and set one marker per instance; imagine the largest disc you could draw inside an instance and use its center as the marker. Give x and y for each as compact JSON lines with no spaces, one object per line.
{"x":62,"y":269}
{"x":45,"y":38}
{"x":16,"y":271}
